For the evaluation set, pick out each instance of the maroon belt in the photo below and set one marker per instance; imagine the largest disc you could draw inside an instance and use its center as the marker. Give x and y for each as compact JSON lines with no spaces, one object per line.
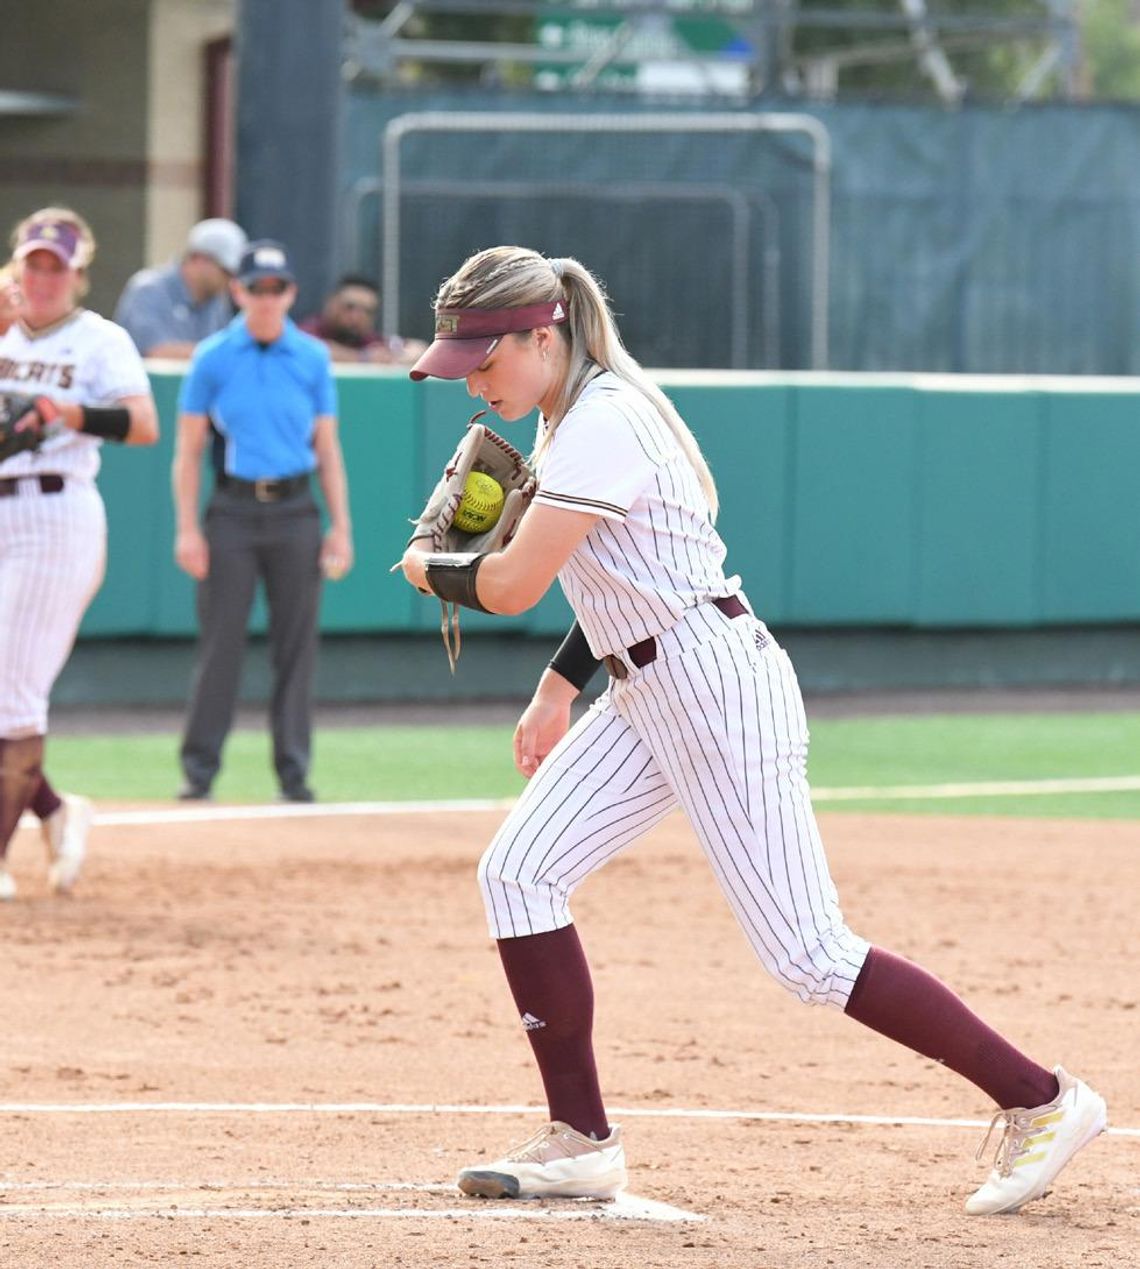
{"x":10,"y":485}
{"x":645,"y":652}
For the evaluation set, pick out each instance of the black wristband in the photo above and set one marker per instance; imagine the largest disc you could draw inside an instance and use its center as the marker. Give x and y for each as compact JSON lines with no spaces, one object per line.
{"x":574,"y":660}
{"x":112,"y":422}
{"x":452,"y":578}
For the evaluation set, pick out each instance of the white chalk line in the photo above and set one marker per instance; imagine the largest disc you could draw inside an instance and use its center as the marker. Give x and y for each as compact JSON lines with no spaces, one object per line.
{"x":261,"y":1183}
{"x":286,"y":811}
{"x":442,"y":1108}
{"x":624,"y":1207}
{"x":851,"y":793}
{"x":979,"y":789}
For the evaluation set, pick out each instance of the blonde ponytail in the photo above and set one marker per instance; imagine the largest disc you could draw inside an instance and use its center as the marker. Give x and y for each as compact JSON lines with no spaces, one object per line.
{"x":595,"y":341}
{"x":512,"y":277}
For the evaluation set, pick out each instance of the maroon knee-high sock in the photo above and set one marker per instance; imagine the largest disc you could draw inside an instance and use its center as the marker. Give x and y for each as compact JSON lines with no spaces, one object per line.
{"x":45,"y":801}
{"x":905,"y":1003}
{"x":550,"y":981}
{"x":20,"y":759}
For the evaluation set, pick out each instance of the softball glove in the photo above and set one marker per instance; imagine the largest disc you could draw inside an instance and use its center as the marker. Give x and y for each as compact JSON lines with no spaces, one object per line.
{"x":22,"y":423}
{"x":485,"y":451}
{"x":480,"y":450}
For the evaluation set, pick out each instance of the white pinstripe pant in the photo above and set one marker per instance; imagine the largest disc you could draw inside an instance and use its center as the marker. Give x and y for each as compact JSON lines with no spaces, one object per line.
{"x":715,"y":725}
{"x":52,"y":554}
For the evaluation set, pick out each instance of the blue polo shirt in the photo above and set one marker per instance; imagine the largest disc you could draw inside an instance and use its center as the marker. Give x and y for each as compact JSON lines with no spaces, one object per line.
{"x":156,"y":308}
{"x":262,"y":399}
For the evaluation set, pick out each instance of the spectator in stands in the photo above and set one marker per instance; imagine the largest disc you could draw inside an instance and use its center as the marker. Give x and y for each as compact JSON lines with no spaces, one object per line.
{"x":167,"y":311}
{"x":347,"y":326}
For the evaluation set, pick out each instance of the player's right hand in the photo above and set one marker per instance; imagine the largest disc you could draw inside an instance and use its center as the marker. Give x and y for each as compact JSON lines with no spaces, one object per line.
{"x":11,"y":302}
{"x":191,"y":554}
{"x":413,"y":564}
{"x":543,"y":723}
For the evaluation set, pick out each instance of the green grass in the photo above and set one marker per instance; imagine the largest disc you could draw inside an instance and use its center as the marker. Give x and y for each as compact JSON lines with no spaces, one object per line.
{"x":955,"y":748}
{"x":350,"y":764}
{"x":407,"y":763}
{"x":936,"y":748}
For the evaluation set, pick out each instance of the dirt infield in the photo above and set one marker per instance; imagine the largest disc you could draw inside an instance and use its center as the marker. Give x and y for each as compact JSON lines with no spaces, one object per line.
{"x":291,"y":998}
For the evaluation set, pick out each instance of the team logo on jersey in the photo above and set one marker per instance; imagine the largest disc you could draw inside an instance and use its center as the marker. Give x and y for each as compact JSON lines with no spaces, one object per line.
{"x":44,"y":374}
{"x":531,"y":1023}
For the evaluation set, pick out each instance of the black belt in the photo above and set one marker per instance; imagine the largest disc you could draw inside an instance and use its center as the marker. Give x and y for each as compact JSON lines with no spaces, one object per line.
{"x":10,"y":485}
{"x":264,"y":490}
{"x":645,"y":652}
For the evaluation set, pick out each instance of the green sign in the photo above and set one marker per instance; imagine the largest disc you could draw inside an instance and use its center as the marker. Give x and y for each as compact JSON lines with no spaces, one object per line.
{"x":654,"y":50}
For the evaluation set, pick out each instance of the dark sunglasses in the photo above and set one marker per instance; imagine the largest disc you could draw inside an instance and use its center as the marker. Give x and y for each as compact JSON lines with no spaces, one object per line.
{"x":275,"y":286}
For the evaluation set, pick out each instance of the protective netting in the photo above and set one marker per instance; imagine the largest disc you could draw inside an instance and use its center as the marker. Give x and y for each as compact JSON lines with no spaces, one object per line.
{"x":982,"y":241}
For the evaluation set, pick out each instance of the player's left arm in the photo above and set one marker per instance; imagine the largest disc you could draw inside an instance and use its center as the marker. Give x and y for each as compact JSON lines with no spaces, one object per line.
{"x":336,"y":550}
{"x":131,"y":420}
{"x":515,"y":579}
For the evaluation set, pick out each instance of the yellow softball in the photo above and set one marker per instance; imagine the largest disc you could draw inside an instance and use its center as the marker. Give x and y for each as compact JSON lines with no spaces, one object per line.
{"x":481,"y":505}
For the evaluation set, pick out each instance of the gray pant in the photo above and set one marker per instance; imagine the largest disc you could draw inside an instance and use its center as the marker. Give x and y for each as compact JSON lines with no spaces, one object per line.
{"x":280,"y":543}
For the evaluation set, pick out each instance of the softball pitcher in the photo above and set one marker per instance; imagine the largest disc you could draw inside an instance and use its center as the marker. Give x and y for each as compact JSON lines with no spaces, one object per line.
{"x":703,"y":711}
{"x":72,"y":380}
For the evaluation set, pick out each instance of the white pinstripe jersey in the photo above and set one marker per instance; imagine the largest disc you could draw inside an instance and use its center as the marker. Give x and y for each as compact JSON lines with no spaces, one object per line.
{"x":654,"y":552}
{"x":83,"y":358}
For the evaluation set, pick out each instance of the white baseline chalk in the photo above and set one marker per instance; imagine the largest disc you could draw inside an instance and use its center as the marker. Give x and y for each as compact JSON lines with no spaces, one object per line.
{"x":850,"y":793}
{"x":442,"y":1108}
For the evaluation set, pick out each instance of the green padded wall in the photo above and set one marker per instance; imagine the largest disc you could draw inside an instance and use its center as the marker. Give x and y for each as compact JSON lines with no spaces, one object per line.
{"x":1090,"y":519}
{"x":978,"y":502}
{"x":846,"y":500}
{"x":853,"y":547}
{"x":746,"y":435}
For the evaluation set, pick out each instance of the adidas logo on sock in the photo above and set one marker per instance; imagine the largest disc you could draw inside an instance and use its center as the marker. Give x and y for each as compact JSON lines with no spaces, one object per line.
{"x":531,"y":1023}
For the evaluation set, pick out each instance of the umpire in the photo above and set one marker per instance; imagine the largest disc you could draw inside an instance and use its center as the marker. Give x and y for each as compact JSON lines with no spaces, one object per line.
{"x":265,"y":392}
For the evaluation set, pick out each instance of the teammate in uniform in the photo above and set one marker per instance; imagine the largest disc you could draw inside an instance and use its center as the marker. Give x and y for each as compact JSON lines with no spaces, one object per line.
{"x":64,"y":818}
{"x":703,"y":711}
{"x":90,"y":386}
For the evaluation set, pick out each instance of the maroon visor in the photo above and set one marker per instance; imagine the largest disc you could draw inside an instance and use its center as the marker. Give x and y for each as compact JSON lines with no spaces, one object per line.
{"x":466,"y":337}
{"x":60,"y":237}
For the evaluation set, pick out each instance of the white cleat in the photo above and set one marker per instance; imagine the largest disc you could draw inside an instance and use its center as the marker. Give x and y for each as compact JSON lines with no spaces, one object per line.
{"x":7,"y":886}
{"x":65,"y":836}
{"x":557,"y":1162}
{"x":1036,"y":1145}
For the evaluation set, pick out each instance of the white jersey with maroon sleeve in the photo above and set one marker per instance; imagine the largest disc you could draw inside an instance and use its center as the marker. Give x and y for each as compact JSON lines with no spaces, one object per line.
{"x":654,"y":552}
{"x":84,"y":358}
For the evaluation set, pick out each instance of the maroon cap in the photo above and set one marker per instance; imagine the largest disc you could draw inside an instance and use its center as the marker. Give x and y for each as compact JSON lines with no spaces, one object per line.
{"x":60,"y":237}
{"x":465,"y":337}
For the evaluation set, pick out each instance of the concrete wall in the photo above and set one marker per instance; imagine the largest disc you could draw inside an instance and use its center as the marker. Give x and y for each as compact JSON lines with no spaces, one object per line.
{"x":179,"y":32}
{"x":94,"y":159}
{"x":129,"y":156}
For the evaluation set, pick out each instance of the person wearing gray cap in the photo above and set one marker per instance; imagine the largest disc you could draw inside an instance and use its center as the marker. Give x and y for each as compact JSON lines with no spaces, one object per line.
{"x":169,"y":310}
